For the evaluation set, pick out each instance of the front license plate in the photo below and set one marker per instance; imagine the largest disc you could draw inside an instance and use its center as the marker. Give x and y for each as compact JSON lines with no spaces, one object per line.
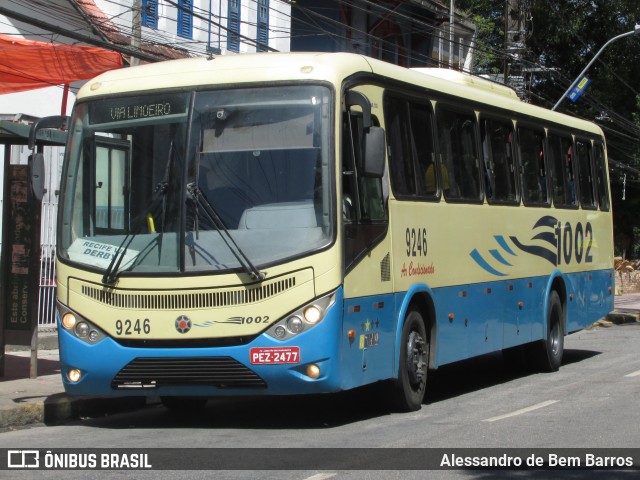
{"x":274,"y":355}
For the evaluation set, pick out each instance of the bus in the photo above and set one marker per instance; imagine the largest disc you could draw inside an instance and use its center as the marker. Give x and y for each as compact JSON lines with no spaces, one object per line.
{"x":283,"y":224}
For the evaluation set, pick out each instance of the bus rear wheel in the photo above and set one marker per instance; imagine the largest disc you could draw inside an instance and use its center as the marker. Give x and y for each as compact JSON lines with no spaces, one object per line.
{"x":409,"y":388}
{"x":548,"y":352}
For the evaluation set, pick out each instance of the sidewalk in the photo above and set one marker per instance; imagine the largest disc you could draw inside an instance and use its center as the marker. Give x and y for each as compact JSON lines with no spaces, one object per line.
{"x":25,"y":401}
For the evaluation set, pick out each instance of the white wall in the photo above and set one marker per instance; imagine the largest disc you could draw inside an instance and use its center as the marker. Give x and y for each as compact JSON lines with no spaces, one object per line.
{"x":279,"y":24}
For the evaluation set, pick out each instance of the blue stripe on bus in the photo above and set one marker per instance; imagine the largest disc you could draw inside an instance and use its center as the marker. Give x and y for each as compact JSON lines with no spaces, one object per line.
{"x":484,"y":264}
{"x":503,"y":243}
{"x":356,"y":346}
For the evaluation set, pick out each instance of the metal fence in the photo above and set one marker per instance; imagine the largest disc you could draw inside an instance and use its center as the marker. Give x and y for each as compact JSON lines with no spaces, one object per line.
{"x":49,"y":215}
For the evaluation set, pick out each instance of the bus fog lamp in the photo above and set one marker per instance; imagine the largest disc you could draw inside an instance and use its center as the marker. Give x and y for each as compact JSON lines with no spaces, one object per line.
{"x":313,"y":371}
{"x":312,"y":314}
{"x":82,"y":329}
{"x":74,"y":375}
{"x":295,"y":325}
{"x":280,"y":331}
{"x":69,"y":320}
{"x":93,"y":336}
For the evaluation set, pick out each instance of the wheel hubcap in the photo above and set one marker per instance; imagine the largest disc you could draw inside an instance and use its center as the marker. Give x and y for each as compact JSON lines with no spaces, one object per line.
{"x":416,"y":358}
{"x":555,"y":338}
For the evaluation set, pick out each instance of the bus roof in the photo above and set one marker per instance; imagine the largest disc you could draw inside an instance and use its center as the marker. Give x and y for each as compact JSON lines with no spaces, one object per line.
{"x":469,"y":80}
{"x":333,"y":67}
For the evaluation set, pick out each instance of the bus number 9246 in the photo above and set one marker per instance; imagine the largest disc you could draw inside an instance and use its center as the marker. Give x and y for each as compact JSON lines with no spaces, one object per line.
{"x":416,"y":240}
{"x":131,"y":327}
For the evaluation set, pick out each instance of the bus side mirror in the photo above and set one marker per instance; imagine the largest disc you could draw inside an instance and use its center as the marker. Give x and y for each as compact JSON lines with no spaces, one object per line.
{"x":374,"y":152}
{"x":36,"y":174}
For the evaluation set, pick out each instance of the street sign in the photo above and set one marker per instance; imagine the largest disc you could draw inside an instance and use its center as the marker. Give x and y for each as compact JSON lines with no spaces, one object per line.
{"x":579,"y":89}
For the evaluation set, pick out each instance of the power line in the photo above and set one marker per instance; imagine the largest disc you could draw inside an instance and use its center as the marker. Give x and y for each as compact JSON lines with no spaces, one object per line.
{"x":77,"y":36}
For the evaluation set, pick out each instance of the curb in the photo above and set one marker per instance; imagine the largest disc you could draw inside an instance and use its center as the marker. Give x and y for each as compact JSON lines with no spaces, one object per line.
{"x":60,"y":408}
{"x":619,"y":317}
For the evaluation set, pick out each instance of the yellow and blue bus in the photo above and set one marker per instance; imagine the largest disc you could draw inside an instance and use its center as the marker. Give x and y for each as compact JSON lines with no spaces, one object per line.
{"x":279,"y":224}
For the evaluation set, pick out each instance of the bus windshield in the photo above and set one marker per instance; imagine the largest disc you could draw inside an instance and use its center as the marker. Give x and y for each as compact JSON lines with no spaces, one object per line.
{"x":198,"y":181}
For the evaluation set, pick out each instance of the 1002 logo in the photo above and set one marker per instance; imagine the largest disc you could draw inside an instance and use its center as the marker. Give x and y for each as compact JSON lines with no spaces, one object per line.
{"x":574,"y":243}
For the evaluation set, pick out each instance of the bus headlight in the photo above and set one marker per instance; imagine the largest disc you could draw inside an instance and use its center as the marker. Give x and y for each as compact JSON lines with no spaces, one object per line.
{"x":302,"y":319}
{"x":82,"y":329}
{"x":312,"y":314}
{"x":69,"y":320}
{"x":74,"y":375}
{"x":294,"y":324}
{"x":78,"y":326}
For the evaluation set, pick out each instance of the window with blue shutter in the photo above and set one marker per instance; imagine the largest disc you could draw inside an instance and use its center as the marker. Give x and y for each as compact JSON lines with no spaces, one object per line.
{"x":263,"y":26}
{"x":150,"y":13}
{"x":233,"y":24}
{"x":185,"y":18}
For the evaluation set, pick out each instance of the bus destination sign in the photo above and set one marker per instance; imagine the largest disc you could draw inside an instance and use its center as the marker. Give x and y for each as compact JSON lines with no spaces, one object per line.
{"x":136,"y":108}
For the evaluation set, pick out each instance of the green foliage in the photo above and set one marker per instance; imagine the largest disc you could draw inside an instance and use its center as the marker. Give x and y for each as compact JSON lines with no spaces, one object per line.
{"x":488,"y":56}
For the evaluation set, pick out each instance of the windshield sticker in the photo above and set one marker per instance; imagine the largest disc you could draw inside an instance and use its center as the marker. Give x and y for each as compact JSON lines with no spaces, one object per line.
{"x":98,"y":254}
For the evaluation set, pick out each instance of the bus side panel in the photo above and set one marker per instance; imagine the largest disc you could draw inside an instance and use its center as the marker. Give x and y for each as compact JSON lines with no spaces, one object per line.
{"x":368,"y":352}
{"x":592,"y":298}
{"x":482,"y":318}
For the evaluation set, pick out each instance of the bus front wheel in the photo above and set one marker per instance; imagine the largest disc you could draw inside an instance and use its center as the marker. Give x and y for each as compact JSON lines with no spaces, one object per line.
{"x":411,"y":384}
{"x":548,"y":352}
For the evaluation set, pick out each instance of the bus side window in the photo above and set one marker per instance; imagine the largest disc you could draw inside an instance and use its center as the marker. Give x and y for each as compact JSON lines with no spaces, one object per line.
{"x":561,"y":157}
{"x":601,"y":177}
{"x":411,"y":153}
{"x":458,"y":153}
{"x":399,"y":147}
{"x":532,"y":164}
{"x":365,"y":194}
{"x":585,"y":174}
{"x":363,"y":199}
{"x":500,"y":171}
{"x":422,"y":136}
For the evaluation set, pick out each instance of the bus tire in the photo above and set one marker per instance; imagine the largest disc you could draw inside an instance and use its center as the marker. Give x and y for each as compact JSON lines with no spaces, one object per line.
{"x":409,"y":388}
{"x":184,"y":406}
{"x":548,"y":352}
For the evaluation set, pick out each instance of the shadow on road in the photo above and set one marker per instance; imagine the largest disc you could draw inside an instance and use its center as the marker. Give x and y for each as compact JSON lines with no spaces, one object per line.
{"x":323,"y":411}
{"x":18,"y":366}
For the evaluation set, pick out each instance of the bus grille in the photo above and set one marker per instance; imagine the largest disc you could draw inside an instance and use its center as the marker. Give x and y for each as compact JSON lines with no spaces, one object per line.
{"x":189,"y":300}
{"x":151,"y":373}
{"x":385,"y":269}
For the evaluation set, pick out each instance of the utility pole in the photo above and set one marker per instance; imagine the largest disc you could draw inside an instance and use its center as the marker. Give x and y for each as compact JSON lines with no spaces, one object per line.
{"x":136,"y":31}
{"x":515,"y":31}
{"x":452,"y":19}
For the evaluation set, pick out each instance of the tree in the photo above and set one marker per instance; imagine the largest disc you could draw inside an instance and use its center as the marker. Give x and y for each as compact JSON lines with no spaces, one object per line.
{"x":489,"y":53}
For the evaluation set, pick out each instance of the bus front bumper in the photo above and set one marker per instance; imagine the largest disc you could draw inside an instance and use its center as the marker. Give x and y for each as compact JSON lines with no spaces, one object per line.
{"x":306,"y":363}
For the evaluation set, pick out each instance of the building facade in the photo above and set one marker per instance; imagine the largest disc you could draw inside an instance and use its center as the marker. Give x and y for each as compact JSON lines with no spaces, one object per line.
{"x":411,"y":33}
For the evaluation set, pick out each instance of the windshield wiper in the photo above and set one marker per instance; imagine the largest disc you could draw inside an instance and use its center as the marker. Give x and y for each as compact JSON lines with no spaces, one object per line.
{"x":202,"y":201}
{"x":111,"y":274}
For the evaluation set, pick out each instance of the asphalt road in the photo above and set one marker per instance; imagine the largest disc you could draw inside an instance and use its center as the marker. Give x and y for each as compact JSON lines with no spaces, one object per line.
{"x":591,"y":403}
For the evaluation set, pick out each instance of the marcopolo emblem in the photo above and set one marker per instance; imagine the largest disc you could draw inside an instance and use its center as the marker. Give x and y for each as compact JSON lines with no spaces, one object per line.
{"x":183,"y":324}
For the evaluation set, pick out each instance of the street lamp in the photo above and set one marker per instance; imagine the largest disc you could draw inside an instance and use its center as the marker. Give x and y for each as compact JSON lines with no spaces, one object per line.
{"x":635,"y":31}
